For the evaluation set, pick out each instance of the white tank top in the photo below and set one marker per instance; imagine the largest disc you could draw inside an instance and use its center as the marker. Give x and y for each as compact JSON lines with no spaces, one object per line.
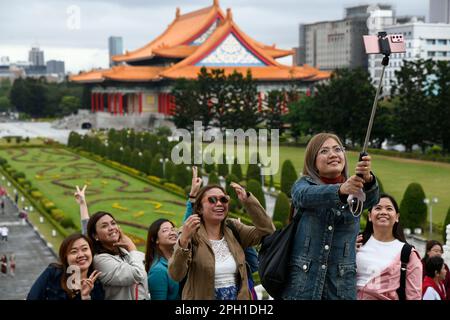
{"x":226,"y":267}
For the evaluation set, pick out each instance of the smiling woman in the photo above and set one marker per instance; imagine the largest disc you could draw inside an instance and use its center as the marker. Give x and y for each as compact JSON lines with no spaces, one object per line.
{"x":116,"y":257}
{"x":323,"y":248}
{"x":379,"y":257}
{"x":207,"y":239}
{"x":75,"y":255}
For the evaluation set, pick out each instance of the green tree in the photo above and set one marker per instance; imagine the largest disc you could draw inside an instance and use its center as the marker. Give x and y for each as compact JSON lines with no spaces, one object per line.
{"x":74,"y":140}
{"x":127,"y":157}
{"x":255,"y":188}
{"x":146,"y":162}
{"x":170,"y":171}
{"x":348,"y":95}
{"x":276,"y":99}
{"x":243,"y":101}
{"x":19,"y":94}
{"x":135,"y":159}
{"x":213,"y":178}
{"x":412,"y":115}
{"x":282,"y":209}
{"x":222,"y":168}
{"x":182,"y":176}
{"x":156,"y":168}
{"x":412,"y":208}
{"x":253,"y":172}
{"x":440,"y":106}
{"x":209,"y":167}
{"x":185,"y":103}
{"x":236,"y":170}
{"x":288,"y":177}
{"x":5,"y":104}
{"x":301,"y":117}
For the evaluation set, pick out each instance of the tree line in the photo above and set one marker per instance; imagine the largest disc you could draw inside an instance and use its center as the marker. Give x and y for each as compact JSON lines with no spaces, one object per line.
{"x":415,"y":112}
{"x":38,"y":98}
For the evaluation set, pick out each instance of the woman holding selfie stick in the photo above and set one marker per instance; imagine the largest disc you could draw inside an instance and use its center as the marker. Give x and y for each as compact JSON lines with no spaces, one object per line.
{"x":322,"y":265}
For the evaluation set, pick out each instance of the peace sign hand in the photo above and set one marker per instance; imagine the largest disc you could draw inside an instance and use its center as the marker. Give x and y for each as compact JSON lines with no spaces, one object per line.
{"x":79,"y":195}
{"x":88,"y":284}
{"x":196,"y":182}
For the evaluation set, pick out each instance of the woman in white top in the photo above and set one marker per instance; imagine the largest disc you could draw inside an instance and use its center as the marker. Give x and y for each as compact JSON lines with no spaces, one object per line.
{"x":122,"y":268}
{"x":378,"y":257}
{"x":207,"y":252}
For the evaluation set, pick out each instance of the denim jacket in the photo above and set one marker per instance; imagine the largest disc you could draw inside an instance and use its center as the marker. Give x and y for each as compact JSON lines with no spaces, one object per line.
{"x":323,"y":259}
{"x":48,"y":287}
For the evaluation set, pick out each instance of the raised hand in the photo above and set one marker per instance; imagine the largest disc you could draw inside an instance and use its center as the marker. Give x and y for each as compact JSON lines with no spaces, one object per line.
{"x":125,"y":242}
{"x":190,"y":227}
{"x":363,"y":168}
{"x":353,"y":185}
{"x":196,"y":182}
{"x":359,"y":240}
{"x":240,"y":191}
{"x":80,"y":196}
{"x":88,"y":284}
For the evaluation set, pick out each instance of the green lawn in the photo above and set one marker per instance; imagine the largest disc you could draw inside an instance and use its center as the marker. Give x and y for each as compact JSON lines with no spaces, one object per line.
{"x":56,"y":172}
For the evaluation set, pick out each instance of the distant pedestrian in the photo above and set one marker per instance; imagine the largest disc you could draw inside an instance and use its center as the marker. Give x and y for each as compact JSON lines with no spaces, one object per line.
{"x":4,"y":264}
{"x":16,"y":198}
{"x":4,"y":234}
{"x":2,"y":204}
{"x":12,"y":265}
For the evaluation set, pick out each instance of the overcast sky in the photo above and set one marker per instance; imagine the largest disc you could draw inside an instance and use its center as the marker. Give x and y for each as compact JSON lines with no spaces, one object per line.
{"x":77,"y":31}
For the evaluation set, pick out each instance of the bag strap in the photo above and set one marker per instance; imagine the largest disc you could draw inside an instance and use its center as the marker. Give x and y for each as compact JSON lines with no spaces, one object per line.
{"x":404,"y":259}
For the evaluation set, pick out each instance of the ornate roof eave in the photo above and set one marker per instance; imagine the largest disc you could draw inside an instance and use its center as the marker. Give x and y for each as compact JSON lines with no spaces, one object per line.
{"x":210,"y":15}
{"x":216,"y":39}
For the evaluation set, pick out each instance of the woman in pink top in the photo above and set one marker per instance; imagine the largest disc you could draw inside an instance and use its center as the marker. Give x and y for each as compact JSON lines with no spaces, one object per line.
{"x":378,"y":256}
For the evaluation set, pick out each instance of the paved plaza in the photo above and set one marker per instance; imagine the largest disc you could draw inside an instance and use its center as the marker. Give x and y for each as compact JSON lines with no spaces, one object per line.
{"x":32,"y":255}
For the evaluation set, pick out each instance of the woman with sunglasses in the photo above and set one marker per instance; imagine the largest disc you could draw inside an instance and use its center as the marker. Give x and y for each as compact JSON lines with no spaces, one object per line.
{"x":207,"y":252}
{"x":251,"y":255}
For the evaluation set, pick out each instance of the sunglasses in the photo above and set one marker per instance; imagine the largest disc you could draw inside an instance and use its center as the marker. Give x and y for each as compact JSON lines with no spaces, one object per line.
{"x":214,"y":199}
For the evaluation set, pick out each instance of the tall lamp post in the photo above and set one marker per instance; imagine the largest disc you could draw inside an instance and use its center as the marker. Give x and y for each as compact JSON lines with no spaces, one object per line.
{"x":430,"y":203}
{"x":163,"y":161}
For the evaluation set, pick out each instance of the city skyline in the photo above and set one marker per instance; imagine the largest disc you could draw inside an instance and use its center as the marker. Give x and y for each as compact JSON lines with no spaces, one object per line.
{"x":75,"y":32}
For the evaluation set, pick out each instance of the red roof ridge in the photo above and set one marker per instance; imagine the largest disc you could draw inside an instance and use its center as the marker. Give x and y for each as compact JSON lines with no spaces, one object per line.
{"x":146,"y":51}
{"x":216,"y":38}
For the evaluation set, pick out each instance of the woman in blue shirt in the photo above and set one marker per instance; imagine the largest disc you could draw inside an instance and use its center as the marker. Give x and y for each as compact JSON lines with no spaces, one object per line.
{"x":161,"y":238}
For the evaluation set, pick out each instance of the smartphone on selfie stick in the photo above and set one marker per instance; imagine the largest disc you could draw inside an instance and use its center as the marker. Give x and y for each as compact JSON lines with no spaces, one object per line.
{"x":384,"y":44}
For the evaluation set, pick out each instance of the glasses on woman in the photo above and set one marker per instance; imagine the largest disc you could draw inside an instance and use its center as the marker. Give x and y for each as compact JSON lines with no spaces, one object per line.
{"x":214,"y":199}
{"x":336,"y":150}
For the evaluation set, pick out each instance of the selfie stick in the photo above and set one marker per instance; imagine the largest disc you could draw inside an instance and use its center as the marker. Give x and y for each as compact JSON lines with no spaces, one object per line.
{"x":356,"y":201}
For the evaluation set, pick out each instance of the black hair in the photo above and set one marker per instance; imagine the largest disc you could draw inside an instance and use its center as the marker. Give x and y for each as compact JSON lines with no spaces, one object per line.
{"x":92,"y":231}
{"x":433,"y":265}
{"x":397,"y":230}
{"x":151,"y":246}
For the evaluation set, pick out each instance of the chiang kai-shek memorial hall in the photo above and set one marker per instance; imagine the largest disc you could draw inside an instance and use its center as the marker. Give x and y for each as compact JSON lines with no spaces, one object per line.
{"x":136,"y":93}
